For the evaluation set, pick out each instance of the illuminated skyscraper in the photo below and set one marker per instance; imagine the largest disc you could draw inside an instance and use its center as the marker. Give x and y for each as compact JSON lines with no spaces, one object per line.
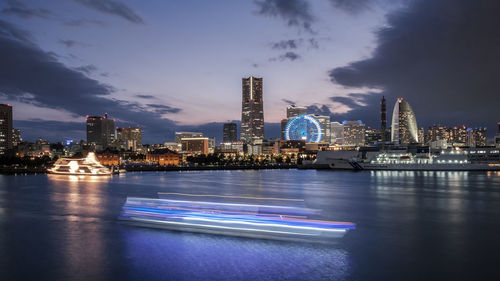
{"x":283,"y":127}
{"x":5,"y":128}
{"x":324,"y":121}
{"x":230,"y":133}
{"x":337,"y":133}
{"x":100,"y":131}
{"x":252,"y":113}
{"x":404,"y":128}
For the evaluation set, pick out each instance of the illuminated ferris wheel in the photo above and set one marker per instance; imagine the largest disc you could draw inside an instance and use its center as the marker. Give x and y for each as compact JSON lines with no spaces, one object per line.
{"x":303,"y":127}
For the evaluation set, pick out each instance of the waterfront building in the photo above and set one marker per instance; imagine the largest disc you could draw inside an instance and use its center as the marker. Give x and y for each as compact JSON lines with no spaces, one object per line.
{"x":108,"y":157}
{"x":479,"y":135}
{"x":252,"y":113}
{"x":337,"y":133}
{"x":182,"y":135}
{"x":129,"y":138}
{"x":459,"y":135}
{"x":5,"y":129}
{"x":354,"y":133}
{"x":291,"y":146}
{"x":195,"y":145}
{"x":230,"y":132}
{"x":16,"y":137}
{"x":372,"y":136}
{"x":421,"y":135}
{"x":174,"y":146}
{"x":404,"y":128}
{"x":325,"y":123}
{"x":293,"y":110}
{"x":438,"y":132}
{"x":283,"y":128}
{"x":211,"y":145}
{"x":163,"y":157}
{"x":100,"y":131}
{"x":231,"y":148}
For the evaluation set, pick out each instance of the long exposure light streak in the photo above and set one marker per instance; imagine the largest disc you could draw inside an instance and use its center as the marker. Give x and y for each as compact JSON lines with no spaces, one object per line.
{"x":250,"y":220}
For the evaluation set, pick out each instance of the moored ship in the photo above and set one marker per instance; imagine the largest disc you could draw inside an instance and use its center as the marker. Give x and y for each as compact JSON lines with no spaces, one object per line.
{"x":469,"y":159}
{"x":80,"y":166}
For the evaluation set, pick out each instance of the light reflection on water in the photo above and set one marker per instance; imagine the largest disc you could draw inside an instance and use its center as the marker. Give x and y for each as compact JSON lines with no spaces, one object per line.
{"x":440,"y":224}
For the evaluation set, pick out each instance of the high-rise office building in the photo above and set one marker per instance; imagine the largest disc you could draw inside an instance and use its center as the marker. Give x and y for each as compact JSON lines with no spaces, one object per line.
{"x":479,"y":135}
{"x":372,"y":136}
{"x":383,"y":119}
{"x":337,"y":133}
{"x":252,"y":114}
{"x":5,"y":129}
{"x":293,"y":110}
{"x":195,"y":145}
{"x":404,"y":128}
{"x":229,"y":133}
{"x":324,"y":121}
{"x":129,"y":138}
{"x":100,"y":131}
{"x":354,"y":133}
{"x":283,"y":128}
{"x":182,"y":135}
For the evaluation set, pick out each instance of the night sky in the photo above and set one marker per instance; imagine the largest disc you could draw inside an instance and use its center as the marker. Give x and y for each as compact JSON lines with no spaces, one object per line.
{"x":177,"y":65}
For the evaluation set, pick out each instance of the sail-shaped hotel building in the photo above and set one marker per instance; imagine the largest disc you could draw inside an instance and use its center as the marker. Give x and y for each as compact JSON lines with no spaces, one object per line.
{"x":404,"y":124}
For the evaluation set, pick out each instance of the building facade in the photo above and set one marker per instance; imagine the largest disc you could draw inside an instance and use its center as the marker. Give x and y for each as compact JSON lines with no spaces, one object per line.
{"x":163,"y":157}
{"x":337,"y":133}
{"x":325,"y":123}
{"x":182,"y":135}
{"x":293,"y":110}
{"x":354,"y":133}
{"x":129,"y":138}
{"x":195,"y":145}
{"x":100,"y":131}
{"x":252,"y":113}
{"x":5,"y":129}
{"x":230,"y":133}
{"x":404,"y":128}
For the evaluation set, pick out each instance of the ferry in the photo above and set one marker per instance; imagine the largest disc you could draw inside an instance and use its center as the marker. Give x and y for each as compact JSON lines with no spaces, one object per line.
{"x":89,"y":166}
{"x":244,"y":220}
{"x":420,"y":159}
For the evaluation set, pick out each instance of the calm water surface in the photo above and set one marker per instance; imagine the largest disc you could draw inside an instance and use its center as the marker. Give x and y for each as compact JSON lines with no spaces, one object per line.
{"x":410,"y":226}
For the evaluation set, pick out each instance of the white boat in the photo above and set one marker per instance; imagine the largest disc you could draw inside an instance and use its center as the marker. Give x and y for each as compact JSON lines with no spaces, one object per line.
{"x":81,"y":166}
{"x":473,"y":159}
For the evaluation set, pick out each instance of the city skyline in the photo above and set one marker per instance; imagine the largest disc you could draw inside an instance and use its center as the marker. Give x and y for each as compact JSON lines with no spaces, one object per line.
{"x":316,"y":54}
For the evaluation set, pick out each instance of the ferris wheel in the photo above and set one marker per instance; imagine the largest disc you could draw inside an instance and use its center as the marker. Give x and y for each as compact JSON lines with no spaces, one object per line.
{"x":303,"y":127}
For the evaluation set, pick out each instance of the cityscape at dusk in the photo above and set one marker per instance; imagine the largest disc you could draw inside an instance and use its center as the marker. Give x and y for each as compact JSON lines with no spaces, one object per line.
{"x":249,"y":140}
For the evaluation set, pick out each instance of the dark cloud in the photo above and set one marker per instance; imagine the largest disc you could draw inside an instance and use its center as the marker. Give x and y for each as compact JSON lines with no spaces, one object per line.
{"x":150,"y":97}
{"x":28,"y":71}
{"x":292,"y":56}
{"x":19,"y":9}
{"x":352,"y":6}
{"x":285,"y":44}
{"x":72,"y":43}
{"x":87,"y":69}
{"x":441,"y":56}
{"x":112,"y":7}
{"x":294,"y":12}
{"x":163,"y":109}
{"x":83,"y":22}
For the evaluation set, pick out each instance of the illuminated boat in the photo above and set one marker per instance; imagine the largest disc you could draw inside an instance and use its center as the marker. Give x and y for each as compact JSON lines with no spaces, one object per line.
{"x":245,"y":220}
{"x":82,"y":166}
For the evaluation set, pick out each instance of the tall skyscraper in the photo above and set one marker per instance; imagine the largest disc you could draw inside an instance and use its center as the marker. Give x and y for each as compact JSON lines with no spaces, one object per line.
{"x":129,"y":138}
{"x":230,"y":133}
{"x":5,"y":129}
{"x":383,"y":119}
{"x":404,"y":128}
{"x":100,"y":131}
{"x":293,"y":110}
{"x":252,"y":113}
{"x":324,"y":121}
